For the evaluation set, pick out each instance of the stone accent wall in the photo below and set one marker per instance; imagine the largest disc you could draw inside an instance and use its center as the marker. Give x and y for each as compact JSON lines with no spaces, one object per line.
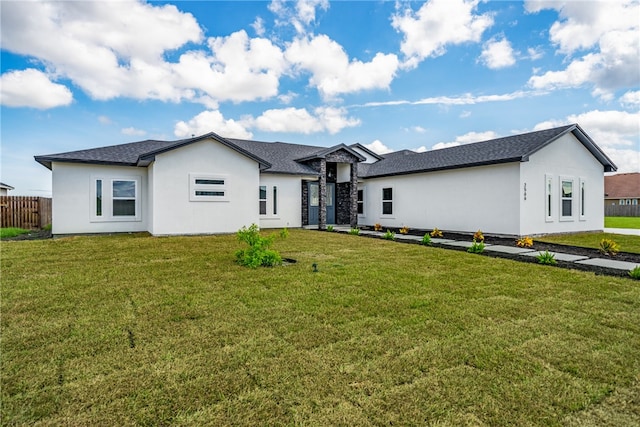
{"x":343,"y":206}
{"x":341,"y":156}
{"x":305,"y":202}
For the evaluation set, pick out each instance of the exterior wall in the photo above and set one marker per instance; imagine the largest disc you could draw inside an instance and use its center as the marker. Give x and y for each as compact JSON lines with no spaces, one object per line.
{"x":173,"y":210}
{"x":289,"y":197}
{"x":73,"y":206}
{"x":462,"y":200}
{"x":368,"y":157}
{"x":564,"y":158}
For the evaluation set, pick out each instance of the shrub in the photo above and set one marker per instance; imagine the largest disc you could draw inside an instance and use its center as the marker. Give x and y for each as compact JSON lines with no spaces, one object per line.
{"x":476,"y":247}
{"x":354,"y":231}
{"x":329,"y":227}
{"x":524,"y":242}
{"x":426,"y":240}
{"x":436,"y":233}
{"x":377,"y":227}
{"x":609,"y":247}
{"x":546,"y":258}
{"x":258,"y":254}
{"x":478,"y":236}
{"x":389,"y":235}
{"x":284,"y":233}
{"x":404,"y":230}
{"x":635,"y":273}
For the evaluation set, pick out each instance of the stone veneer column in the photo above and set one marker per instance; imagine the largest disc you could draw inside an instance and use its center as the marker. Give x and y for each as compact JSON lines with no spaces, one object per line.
{"x":322,"y":187}
{"x":353,"y":194}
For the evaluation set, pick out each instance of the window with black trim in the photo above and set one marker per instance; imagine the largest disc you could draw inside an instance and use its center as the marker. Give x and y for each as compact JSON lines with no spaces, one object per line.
{"x":566,"y":198}
{"x":360,"y":202}
{"x":207,"y":188}
{"x":115,"y":199}
{"x":275,"y":200}
{"x":263,"y":199}
{"x":387,"y":201}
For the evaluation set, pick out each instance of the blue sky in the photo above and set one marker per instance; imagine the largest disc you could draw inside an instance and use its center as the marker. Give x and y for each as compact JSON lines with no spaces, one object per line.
{"x":389,"y":75}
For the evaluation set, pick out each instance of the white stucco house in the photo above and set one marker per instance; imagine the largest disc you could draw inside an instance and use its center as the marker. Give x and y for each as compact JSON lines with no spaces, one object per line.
{"x":4,"y":189}
{"x":549,"y":181}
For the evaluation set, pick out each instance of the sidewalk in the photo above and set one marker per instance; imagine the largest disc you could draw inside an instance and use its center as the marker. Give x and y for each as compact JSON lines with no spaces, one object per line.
{"x":627,"y":231}
{"x":513,"y":252}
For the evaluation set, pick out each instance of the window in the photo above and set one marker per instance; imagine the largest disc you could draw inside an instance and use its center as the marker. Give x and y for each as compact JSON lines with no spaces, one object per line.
{"x":263,"y":199}
{"x":634,"y":202}
{"x":566,"y":198}
{"x":207,"y":188}
{"x":98,"y":197}
{"x":360,"y":202}
{"x":583,"y":205}
{"x":314,"y":195}
{"x":123,"y":198}
{"x":548,"y":205}
{"x":115,"y":199}
{"x":387,"y":201}
{"x":275,"y":200}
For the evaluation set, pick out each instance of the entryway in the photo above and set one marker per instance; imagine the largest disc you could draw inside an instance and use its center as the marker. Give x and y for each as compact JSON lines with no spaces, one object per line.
{"x":314,"y":203}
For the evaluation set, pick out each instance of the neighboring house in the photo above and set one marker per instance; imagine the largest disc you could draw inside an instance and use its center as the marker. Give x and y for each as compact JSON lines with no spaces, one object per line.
{"x":4,"y":188}
{"x":622,"y":189}
{"x":548,"y":181}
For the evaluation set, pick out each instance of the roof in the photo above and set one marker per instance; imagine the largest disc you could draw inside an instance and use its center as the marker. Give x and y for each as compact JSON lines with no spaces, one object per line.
{"x":137,"y":153}
{"x":3,"y":185}
{"x":516,"y":148}
{"x":284,"y":158}
{"x":622,"y":186}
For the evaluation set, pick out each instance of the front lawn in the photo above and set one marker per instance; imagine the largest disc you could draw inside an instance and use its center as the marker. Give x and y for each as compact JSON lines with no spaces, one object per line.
{"x":622,"y":222}
{"x":136,"y":330}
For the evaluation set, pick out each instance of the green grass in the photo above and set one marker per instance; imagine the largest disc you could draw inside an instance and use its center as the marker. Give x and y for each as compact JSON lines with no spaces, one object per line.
{"x":629,"y":244}
{"x":8,"y":232}
{"x":622,"y":222}
{"x":135,"y":330}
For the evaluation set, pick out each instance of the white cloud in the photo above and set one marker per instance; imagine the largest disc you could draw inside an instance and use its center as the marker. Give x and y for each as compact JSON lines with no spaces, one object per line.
{"x":211,"y":121}
{"x":240,"y":69}
{"x":608,"y":36}
{"x":435,"y":25}
{"x":333,"y":73}
{"x":535,"y":53}
{"x":104,"y":120}
{"x":631,"y":98}
{"x":497,"y":54}
{"x":607,"y":128}
{"x":465,"y":114}
{"x":625,"y":160}
{"x":299,"y":120}
{"x":32,"y":88}
{"x":109,"y":49}
{"x":300,"y":16}
{"x":258,"y":26}
{"x":378,"y":147}
{"x":465,"y":99}
{"x":467,"y":138}
{"x":131,"y":131}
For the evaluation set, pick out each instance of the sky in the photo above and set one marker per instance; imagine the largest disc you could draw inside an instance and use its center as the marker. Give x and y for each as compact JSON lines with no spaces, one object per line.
{"x":388,"y":75}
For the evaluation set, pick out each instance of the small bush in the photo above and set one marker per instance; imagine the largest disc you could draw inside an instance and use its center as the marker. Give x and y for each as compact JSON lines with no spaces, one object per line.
{"x":258,"y":254}
{"x":547,"y":258}
{"x":635,"y":273}
{"x":389,"y":235}
{"x":354,"y":231}
{"x":426,"y":240}
{"x":476,"y":247}
{"x":284,"y":233}
{"x":478,"y":236}
{"x":609,"y":247}
{"x":404,"y":230}
{"x":329,"y":227}
{"x":377,"y":227}
{"x":436,"y":233}
{"x":524,"y":242}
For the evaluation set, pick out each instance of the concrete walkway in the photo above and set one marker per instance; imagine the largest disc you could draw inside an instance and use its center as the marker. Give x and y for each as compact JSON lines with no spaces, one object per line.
{"x":627,"y":231}
{"x":612,"y":264}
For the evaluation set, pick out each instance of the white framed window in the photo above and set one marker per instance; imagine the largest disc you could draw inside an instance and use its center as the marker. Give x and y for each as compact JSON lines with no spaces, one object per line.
{"x":582,"y":199}
{"x":115,"y":199}
{"x":361,"y":201}
{"x":262,"y":197}
{"x":567,"y":192}
{"x":548,"y":197}
{"x":387,"y":201}
{"x":207,"y":188}
{"x":634,"y":202}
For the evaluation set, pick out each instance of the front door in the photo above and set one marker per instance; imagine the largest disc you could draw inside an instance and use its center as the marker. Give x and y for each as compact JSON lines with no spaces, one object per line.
{"x":314,"y":203}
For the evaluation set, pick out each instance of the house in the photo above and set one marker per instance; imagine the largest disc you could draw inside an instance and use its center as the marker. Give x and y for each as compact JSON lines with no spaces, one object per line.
{"x":4,"y":189}
{"x":549,"y":181}
{"x":622,"y":189}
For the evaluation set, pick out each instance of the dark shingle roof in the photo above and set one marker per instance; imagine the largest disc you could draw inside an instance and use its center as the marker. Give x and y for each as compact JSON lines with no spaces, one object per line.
{"x":282,"y":156}
{"x":515,"y":148}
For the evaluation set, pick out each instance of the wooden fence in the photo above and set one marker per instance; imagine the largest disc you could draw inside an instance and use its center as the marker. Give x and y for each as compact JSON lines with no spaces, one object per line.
{"x":30,"y":213}
{"x":622,"y":210}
